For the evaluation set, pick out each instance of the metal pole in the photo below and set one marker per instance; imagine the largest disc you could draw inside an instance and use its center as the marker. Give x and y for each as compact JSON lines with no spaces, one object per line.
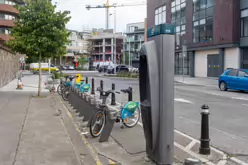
{"x":49,"y":66}
{"x":205,"y":141}
{"x":183,"y":66}
{"x":115,"y":41}
{"x":86,"y":80}
{"x":93,"y":86}
{"x":123,"y":53}
{"x":113,"y":95}
{"x":130,"y":94}
{"x":101,"y":86}
{"x":129,"y":53}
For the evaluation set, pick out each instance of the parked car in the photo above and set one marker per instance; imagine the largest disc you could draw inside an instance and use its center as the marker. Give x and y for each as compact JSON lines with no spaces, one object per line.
{"x":103,"y":68}
{"x":119,"y":68}
{"x":236,"y":79}
{"x":132,"y":69}
{"x":63,"y":67}
{"x":71,"y":67}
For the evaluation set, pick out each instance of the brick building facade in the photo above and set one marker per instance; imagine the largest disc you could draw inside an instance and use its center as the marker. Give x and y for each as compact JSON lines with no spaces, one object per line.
{"x":211,"y":30}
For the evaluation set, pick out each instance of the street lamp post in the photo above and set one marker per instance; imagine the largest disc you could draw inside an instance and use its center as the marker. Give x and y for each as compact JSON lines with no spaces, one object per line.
{"x":129,"y":53}
{"x":114,"y":40}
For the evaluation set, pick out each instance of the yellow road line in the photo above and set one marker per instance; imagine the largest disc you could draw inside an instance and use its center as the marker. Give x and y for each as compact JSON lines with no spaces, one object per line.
{"x":93,"y":153}
{"x":111,"y":162}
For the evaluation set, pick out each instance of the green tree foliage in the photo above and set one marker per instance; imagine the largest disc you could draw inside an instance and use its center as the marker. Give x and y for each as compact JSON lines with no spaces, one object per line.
{"x":40,"y":31}
{"x":82,"y":61}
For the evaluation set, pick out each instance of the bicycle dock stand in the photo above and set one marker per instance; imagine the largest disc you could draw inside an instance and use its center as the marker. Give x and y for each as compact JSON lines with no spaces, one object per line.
{"x":83,"y":107}
{"x":111,"y":116}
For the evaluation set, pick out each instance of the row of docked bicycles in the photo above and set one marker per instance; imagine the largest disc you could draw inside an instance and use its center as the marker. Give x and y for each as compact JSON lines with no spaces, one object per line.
{"x":128,"y":115}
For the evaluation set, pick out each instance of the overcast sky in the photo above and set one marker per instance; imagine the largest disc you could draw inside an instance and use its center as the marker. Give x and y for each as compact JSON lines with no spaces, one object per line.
{"x":95,"y":18}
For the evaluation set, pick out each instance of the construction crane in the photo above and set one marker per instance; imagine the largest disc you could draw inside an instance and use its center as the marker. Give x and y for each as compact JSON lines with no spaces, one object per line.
{"x":107,"y":6}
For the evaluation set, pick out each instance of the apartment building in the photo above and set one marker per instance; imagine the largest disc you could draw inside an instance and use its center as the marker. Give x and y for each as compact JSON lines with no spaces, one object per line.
{"x":103,"y":46}
{"x":134,"y":39}
{"x":7,"y":16}
{"x":214,"y":31}
{"x":78,"y":47}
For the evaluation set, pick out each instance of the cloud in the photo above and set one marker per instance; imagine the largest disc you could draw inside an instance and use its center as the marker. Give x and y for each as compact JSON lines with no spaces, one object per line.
{"x":96,"y":18}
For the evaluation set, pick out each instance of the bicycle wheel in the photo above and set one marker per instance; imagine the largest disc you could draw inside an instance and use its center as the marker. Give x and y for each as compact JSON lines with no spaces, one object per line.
{"x":59,"y":90}
{"x":97,"y":124}
{"x":133,"y":120}
{"x":65,"y":93}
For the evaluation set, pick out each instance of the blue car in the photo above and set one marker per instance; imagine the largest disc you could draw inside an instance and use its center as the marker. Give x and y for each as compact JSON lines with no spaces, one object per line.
{"x":235,"y":79}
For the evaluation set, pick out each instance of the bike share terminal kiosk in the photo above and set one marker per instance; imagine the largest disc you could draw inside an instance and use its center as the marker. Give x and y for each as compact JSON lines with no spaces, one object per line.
{"x":157,"y":93}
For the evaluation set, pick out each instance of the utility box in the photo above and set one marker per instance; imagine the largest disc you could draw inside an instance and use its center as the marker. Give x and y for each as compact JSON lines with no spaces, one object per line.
{"x":157,"y":93}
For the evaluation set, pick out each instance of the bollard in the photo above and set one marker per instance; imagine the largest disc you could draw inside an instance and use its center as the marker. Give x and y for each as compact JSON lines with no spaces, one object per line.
{"x":130,"y":94}
{"x":190,"y":161}
{"x":113,"y":95}
{"x":86,"y":81}
{"x":205,"y":141}
{"x":101,"y":86}
{"x":93,"y":86}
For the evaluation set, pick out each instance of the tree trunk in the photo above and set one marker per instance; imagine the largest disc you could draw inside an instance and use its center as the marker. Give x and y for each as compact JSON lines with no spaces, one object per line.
{"x":40,"y":78}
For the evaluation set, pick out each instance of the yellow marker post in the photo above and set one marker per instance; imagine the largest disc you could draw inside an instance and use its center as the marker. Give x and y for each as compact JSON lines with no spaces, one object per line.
{"x":79,"y":78}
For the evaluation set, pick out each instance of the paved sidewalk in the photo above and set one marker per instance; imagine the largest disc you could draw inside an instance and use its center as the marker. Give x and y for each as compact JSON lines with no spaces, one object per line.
{"x":210,"y":82}
{"x":37,"y":131}
{"x":30,"y":83}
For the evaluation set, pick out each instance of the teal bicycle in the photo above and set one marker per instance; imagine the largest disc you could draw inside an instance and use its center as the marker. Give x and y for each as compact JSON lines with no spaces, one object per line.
{"x":83,"y":88}
{"x":128,"y":115}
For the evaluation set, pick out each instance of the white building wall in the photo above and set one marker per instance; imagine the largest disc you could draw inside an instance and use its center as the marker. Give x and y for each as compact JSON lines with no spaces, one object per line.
{"x":232,"y":58}
{"x":201,"y":61}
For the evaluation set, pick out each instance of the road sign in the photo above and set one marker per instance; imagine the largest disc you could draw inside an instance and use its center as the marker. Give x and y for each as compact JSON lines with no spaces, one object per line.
{"x":184,"y":50}
{"x":22,"y":59}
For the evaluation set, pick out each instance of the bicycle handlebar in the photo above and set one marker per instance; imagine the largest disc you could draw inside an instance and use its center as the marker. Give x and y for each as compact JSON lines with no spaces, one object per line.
{"x":126,"y":90}
{"x":107,"y":92}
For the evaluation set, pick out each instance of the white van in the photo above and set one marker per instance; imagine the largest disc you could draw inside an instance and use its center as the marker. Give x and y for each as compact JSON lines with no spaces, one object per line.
{"x":44,"y":67}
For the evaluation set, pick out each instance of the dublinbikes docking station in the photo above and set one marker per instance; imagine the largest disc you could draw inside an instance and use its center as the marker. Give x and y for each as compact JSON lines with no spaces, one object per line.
{"x":157,"y":93}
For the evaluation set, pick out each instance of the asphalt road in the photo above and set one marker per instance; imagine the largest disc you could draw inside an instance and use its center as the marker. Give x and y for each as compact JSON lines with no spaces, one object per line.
{"x":228,"y":118}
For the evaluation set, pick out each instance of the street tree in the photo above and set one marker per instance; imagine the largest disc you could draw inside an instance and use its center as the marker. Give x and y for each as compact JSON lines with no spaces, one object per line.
{"x":82,"y":60}
{"x":40,"y":31}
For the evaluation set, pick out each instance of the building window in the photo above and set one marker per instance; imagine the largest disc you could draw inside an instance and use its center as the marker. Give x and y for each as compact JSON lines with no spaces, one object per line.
{"x":244,"y":23}
{"x":181,"y":64}
{"x":4,"y":30}
{"x":178,"y":10}
{"x":4,"y":16}
{"x":203,"y":20}
{"x":10,"y":2}
{"x":160,"y":15}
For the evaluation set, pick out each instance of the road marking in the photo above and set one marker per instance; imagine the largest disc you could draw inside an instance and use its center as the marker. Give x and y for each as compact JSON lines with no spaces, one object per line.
{"x":183,"y":100}
{"x":191,"y":144}
{"x":224,"y":161}
{"x":238,"y":161}
{"x":245,"y":105}
{"x":203,"y":160}
{"x":240,"y":98}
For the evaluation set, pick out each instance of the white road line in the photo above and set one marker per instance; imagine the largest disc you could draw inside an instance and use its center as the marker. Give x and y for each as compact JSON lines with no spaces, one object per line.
{"x":183,"y":100}
{"x":238,"y":161}
{"x":203,"y":160}
{"x":240,"y":98}
{"x":191,"y":144}
{"x":224,"y":161}
{"x":245,"y":105}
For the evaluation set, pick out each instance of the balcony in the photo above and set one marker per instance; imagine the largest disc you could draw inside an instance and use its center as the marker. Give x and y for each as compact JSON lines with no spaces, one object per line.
{"x":8,"y":9}
{"x":6,"y":23}
{"x":137,"y":31}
